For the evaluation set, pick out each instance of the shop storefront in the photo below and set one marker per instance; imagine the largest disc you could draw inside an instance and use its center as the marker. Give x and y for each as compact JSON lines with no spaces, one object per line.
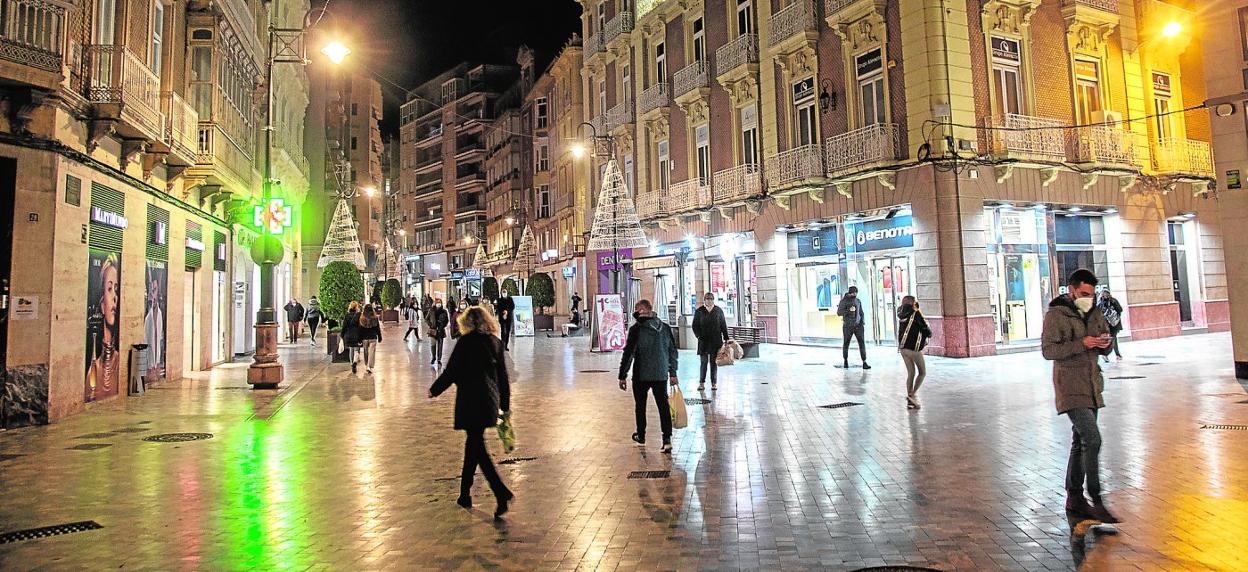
{"x":731,"y":275}
{"x":435,"y":274}
{"x":814,"y":285}
{"x":606,"y":263}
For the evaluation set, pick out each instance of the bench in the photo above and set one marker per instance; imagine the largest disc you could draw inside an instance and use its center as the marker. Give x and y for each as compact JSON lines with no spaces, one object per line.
{"x":749,"y":337}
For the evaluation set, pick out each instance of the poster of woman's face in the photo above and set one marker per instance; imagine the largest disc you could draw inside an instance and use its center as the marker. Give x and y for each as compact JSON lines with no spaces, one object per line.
{"x":103,"y":359}
{"x":154,"y":320}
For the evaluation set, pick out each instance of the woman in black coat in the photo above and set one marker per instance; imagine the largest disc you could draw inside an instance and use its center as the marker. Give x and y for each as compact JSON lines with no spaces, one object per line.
{"x":479,"y":372}
{"x":711,"y":329}
{"x":351,"y":332}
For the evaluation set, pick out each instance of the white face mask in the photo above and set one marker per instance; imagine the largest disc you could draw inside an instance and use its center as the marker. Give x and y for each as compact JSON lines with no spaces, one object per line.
{"x":1084,"y":304}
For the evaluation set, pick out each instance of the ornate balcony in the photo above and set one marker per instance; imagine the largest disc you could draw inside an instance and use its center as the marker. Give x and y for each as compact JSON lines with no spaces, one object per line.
{"x":223,"y":161}
{"x":861,"y":149}
{"x":30,"y":35}
{"x":181,"y":129}
{"x":122,"y":87}
{"x":796,"y":168}
{"x":739,"y":53}
{"x":1029,"y":138}
{"x":1110,"y":6}
{"x":594,"y":44}
{"x":738,"y":183}
{"x":620,"y":116}
{"x":1183,"y":157}
{"x":600,"y":124}
{"x":646,"y":6}
{"x":654,"y":97}
{"x":648,"y":204}
{"x":1102,"y":144}
{"x":618,"y":27}
{"x":689,"y":78}
{"x":795,"y":19}
{"x":690,"y":195}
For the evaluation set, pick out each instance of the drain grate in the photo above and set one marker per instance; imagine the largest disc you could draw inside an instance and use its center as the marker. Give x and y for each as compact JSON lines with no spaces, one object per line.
{"x":649,"y":474}
{"x":1149,"y":363}
{"x":696,"y":401}
{"x":1128,"y":377}
{"x":595,"y":371}
{"x":45,"y":531}
{"x":178,"y":437}
{"x":840,"y":405}
{"x":515,"y":460}
{"x":89,"y":446}
{"x":131,"y":430}
{"x":96,"y":436}
{"x":1226,"y":427}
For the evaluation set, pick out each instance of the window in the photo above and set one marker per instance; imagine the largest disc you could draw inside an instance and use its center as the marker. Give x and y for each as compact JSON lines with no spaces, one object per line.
{"x":1006,"y":77}
{"x":870,"y":72}
{"x":201,"y":83}
{"x":602,"y":16}
{"x":543,"y":201}
{"x":602,"y":97}
{"x":1162,"y":119}
{"x":158,"y":36}
{"x":660,"y":63}
{"x":702,"y":146}
{"x":355,"y":109}
{"x":805,"y":120}
{"x":699,"y":41}
{"x":542,"y":153}
{"x":1087,"y":90}
{"x":749,"y":135}
{"x":542,"y":112}
{"x":663,"y":170}
{"x":745,"y":17}
{"x":353,"y":143}
{"x":626,"y":82}
{"x":628,"y":171}
{"x":105,"y":22}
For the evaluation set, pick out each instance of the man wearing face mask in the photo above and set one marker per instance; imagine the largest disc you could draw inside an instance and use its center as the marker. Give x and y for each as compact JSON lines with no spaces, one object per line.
{"x":1075,"y":336}
{"x":436,"y":319}
{"x":853,"y":324}
{"x":651,"y":355}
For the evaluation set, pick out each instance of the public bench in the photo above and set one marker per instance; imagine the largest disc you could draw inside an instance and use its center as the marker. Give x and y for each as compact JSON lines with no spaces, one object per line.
{"x":749,"y":337}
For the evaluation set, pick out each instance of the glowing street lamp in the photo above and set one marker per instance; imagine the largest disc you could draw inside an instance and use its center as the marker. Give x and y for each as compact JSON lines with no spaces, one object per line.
{"x":1172,"y":29}
{"x":336,"y":52}
{"x":578,"y":150}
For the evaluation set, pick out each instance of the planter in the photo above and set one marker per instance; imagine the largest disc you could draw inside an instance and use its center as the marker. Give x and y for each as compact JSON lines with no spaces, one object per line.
{"x":544,"y":322}
{"x":390,"y":316}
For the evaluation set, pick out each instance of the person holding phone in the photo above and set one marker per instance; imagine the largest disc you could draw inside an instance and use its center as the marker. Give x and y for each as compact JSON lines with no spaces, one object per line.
{"x":853,"y":325}
{"x":1074,"y":338}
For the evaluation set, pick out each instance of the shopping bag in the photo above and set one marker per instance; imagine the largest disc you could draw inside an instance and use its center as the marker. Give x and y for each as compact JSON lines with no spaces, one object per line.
{"x":507,"y":433}
{"x":725,"y":357}
{"x":342,"y":346}
{"x":676,"y":401}
{"x":737,"y":351}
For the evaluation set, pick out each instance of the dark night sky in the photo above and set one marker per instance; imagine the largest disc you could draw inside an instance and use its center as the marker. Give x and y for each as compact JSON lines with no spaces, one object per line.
{"x":409,"y":41}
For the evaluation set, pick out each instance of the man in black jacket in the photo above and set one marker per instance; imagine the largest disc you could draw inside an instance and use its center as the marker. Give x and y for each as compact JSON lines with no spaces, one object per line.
{"x":853,"y":324}
{"x":651,"y":352}
{"x":505,"y":308}
{"x":294,"y":315}
{"x":437,"y":319}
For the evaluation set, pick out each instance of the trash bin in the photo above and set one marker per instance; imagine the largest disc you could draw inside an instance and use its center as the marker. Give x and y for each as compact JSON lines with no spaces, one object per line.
{"x":138,"y":365}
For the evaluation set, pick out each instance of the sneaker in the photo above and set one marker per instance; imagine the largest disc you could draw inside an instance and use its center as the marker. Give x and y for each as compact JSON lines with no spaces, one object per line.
{"x":667,"y":447}
{"x":1099,"y":512}
{"x":1078,"y":506}
{"x":713,"y":388}
{"x":865,"y":365}
{"x":353,"y":366}
{"x":639,"y":439}
{"x":369,"y":370}
{"x":701,"y":387}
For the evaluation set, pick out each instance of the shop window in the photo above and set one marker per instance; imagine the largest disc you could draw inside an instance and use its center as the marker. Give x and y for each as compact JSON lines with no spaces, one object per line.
{"x":870,"y":74}
{"x":1006,"y":77}
{"x":1087,"y":90}
{"x":702,"y":143}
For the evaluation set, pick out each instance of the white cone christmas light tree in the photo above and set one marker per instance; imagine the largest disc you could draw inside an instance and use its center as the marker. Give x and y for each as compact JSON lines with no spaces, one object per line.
{"x":478,"y":259}
{"x":616,"y":224}
{"x":342,"y":242}
{"x":526,"y":254}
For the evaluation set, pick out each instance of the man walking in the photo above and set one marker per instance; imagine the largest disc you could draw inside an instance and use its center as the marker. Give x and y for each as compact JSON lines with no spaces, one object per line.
{"x":505,"y":308}
{"x":853,"y":324}
{"x":1112,"y":309}
{"x":436,"y":319}
{"x":294,"y":315}
{"x":651,"y":352}
{"x":576,"y":301}
{"x":1075,"y":336}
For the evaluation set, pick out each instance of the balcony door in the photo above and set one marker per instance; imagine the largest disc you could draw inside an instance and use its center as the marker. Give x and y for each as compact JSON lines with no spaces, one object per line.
{"x":1006,"y":77}
{"x":1088,"y":99}
{"x":869,"y":68}
{"x":1163,"y":121}
{"x":105,"y":21}
{"x":745,"y":17}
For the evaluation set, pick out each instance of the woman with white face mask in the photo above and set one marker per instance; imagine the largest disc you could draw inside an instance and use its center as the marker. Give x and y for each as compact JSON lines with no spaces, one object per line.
{"x":711,"y":329}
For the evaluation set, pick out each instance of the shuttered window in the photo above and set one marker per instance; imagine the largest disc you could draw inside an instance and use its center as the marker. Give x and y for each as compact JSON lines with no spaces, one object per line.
{"x":108,"y":212}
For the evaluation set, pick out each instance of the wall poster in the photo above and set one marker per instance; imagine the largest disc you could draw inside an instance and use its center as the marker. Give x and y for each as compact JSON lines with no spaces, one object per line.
{"x":103,"y":359}
{"x":154,"y":319}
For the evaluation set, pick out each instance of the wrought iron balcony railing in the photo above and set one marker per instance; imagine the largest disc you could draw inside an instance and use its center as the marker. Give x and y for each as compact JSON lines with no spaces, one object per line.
{"x":620,"y":115}
{"x":861,"y":149}
{"x":1027,"y":137}
{"x":220,"y":152}
{"x":1183,"y":156}
{"x":795,"y":166}
{"x":689,"y":78}
{"x":594,"y":44}
{"x":646,"y":6}
{"x":649,"y":205}
{"x":30,"y":33}
{"x":654,"y":97}
{"x":738,"y":183}
{"x":689,"y":195}
{"x":1102,"y":144}
{"x":119,"y":76}
{"x":794,"y":19}
{"x":621,"y":24}
{"x":734,"y":54}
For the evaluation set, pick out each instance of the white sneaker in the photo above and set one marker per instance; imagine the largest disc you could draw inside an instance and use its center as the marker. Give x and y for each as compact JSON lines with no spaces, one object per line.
{"x":667,"y":447}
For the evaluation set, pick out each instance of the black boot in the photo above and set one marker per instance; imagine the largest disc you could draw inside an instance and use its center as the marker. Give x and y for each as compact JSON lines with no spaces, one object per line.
{"x":1078,"y":506}
{"x":1099,"y":512}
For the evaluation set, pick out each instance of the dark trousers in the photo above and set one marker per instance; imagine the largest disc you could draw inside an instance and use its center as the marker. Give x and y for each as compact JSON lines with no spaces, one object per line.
{"x":659,"y":388}
{"x":708,"y":360}
{"x":859,"y":332}
{"x":476,"y":455}
{"x":411,"y":329}
{"x":435,"y":349}
{"x":292,"y":331}
{"x":313,"y":323}
{"x":1114,"y":337}
{"x":1085,"y":453}
{"x":505,"y":325}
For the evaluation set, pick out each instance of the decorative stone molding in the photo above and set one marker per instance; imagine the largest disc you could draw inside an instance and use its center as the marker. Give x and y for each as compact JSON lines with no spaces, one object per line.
{"x":1049,"y":174}
{"x":753,"y":207}
{"x":887,"y":180}
{"x":725,"y":212}
{"x":801,"y":62}
{"x":1125,"y":182}
{"x":844,"y":188}
{"x":1088,"y":38}
{"x":1003,"y":172}
{"x":130,"y":150}
{"x":782,"y":201}
{"x":704,"y":216}
{"x":697,"y":111}
{"x":97,"y":130}
{"x":659,"y":126}
{"x":863,"y":34}
{"x":1090,"y":179}
{"x":742,"y":91}
{"x":815,"y":194}
{"x":1011,"y":17}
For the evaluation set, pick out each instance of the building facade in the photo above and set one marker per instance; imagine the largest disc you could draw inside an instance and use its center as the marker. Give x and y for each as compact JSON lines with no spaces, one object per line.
{"x":128,"y":161}
{"x":971,"y":155}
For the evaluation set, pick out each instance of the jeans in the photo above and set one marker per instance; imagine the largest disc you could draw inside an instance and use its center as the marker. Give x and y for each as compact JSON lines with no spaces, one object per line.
{"x":292,"y":331}
{"x":370,"y":353}
{"x":854,"y":332}
{"x":475,"y":454}
{"x":435,"y":349}
{"x":659,"y":388}
{"x":313,"y":323}
{"x":914,"y":361}
{"x":505,"y":325}
{"x":1085,"y":452}
{"x":708,"y":360}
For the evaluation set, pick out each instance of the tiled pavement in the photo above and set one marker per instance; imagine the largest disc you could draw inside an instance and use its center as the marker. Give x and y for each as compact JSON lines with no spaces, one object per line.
{"x":343,"y":472}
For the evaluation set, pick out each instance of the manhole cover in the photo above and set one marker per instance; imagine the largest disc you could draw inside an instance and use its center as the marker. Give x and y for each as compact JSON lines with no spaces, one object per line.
{"x":89,"y":446}
{"x":595,"y":371}
{"x":840,"y":405}
{"x":1226,"y":427}
{"x":649,"y":474}
{"x":696,"y":401}
{"x":1128,"y":377}
{"x":96,"y":436}
{"x":178,"y":437}
{"x":514,"y":460}
{"x":131,"y":430}
{"x":44,"y":531}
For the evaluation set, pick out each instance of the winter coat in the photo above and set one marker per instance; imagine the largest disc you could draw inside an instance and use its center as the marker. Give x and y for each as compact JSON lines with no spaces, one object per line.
{"x":650,"y":350}
{"x":911,"y":320}
{"x":1077,"y":381}
{"x":294,"y":312}
{"x":711,"y":329}
{"x":851,"y":319}
{"x":437,"y":319}
{"x":505,"y":309}
{"x":351,"y":329}
{"x":412,"y":314}
{"x":369,"y":332}
{"x":479,"y":372}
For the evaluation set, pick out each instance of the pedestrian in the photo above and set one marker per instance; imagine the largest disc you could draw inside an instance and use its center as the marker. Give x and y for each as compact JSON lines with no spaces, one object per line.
{"x":912,"y":335}
{"x":436,"y":319}
{"x":711,"y":329}
{"x":314,"y":317}
{"x":853,"y":324}
{"x":576,"y":301}
{"x":351,"y":332}
{"x":452,"y":311}
{"x":505,"y":309}
{"x":1112,"y":311}
{"x":482,"y":392}
{"x":412,"y":314}
{"x":294,"y":315}
{"x":573,"y":324}
{"x":1075,"y":334}
{"x":651,"y":353}
{"x":370,"y":335}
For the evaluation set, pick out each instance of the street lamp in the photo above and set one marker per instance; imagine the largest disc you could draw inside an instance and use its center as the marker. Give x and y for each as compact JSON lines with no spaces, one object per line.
{"x":285,"y":45}
{"x":1172,"y":29}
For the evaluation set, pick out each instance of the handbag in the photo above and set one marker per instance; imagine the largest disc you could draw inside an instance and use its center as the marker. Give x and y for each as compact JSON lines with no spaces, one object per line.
{"x":676,"y":402}
{"x":507,"y":433}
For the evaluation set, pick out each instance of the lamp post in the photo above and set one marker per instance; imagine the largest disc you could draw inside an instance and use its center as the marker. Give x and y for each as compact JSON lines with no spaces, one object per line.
{"x":285,"y":45}
{"x":603,"y":146}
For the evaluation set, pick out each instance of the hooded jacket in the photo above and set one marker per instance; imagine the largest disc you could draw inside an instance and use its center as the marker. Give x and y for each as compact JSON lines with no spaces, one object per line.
{"x":314,"y":310}
{"x":913,"y":328}
{"x":650,"y":350}
{"x":1077,"y":381}
{"x":851,"y":319}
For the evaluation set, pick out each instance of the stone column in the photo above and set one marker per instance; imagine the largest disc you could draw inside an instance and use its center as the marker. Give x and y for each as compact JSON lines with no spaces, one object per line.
{"x":771,"y":286}
{"x":1151,"y":309}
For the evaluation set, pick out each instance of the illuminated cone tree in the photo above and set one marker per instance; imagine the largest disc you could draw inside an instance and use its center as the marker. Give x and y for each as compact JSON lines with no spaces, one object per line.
{"x":616,"y":224}
{"x":341,"y":242}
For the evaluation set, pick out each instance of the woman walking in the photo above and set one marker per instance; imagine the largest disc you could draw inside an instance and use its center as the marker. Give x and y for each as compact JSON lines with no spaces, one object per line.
{"x":912,"y":336}
{"x":479,"y":373}
{"x":313,"y":317}
{"x":370,"y":334}
{"x":412,"y":313}
{"x":452,"y":312}
{"x":351,"y":332}
{"x":711,"y":329}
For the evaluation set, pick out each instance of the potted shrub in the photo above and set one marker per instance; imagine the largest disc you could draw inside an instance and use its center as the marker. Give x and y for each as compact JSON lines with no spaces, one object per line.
{"x":391,"y":295}
{"x":510,"y":287}
{"x":489,"y":288}
{"x":542,"y":289}
{"x":341,"y":283}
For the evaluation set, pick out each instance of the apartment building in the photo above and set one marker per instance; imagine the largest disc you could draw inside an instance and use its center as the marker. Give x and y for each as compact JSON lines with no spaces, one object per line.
{"x":970,"y":154}
{"x":129,"y":148}
{"x":442,"y":174}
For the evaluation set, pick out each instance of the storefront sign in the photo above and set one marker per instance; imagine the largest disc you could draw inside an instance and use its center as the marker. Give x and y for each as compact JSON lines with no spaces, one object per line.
{"x":108,"y":218}
{"x":609,"y":319}
{"x":803,"y":90}
{"x":1161,"y":83}
{"x":457,"y":275}
{"x":655,"y":262}
{"x":897,"y":232}
{"x":569,"y":271}
{"x":1232,"y":179}
{"x":524,"y":316}
{"x":160,"y":233}
{"x":472,"y":273}
{"x":197,"y":245}
{"x":606,"y":258}
{"x":1005,"y":49}
{"x":869,"y":63}
{"x":25,"y":308}
{"x":822,"y":242}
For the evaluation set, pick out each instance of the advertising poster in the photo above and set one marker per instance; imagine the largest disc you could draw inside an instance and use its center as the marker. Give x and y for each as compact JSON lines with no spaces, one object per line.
{"x":609,"y":316}
{"x":154,"y":321}
{"x":103,"y":359}
{"x":524,"y":316}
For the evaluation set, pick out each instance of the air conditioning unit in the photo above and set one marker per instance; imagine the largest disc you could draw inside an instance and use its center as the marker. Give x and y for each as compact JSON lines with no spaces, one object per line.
{"x":1111,"y":118}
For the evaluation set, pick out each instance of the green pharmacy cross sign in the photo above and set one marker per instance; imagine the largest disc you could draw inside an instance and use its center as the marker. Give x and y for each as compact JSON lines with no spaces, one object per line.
{"x":273,"y":216}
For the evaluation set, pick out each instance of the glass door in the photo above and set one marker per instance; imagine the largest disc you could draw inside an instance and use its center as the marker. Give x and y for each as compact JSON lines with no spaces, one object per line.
{"x":892,"y":280}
